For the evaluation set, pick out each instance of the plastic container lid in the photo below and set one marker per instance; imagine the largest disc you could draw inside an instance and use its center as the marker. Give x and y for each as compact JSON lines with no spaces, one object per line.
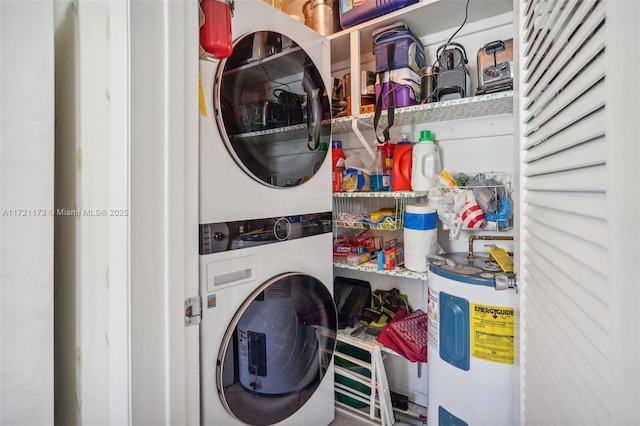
{"x":404,"y":140}
{"x":420,"y":208}
{"x":336,"y":144}
{"x":425,"y":136}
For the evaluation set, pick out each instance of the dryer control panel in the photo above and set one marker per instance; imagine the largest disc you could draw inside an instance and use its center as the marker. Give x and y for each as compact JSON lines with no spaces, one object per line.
{"x":225,"y":236}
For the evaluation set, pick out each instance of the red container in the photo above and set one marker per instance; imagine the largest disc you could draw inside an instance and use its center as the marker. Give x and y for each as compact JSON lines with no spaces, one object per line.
{"x":215,"y":33}
{"x":387,"y":163}
{"x":337,"y":157}
{"x":401,"y":175}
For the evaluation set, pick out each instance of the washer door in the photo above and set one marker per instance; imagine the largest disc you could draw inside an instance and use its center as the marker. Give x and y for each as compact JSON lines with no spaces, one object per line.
{"x":276,"y":349}
{"x":272,"y":109}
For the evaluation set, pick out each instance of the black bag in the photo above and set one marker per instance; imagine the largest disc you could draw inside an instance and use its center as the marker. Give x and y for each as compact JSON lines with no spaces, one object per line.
{"x":352,"y":297}
{"x":390,"y":101}
{"x":394,"y":47}
{"x":407,"y":48}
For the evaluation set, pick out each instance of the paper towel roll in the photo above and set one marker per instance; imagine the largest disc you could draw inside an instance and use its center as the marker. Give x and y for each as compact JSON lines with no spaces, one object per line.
{"x":420,"y":236}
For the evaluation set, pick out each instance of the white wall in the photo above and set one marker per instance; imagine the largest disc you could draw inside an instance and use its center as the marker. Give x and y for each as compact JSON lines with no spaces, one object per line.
{"x":26,"y":224}
{"x":112,"y":366}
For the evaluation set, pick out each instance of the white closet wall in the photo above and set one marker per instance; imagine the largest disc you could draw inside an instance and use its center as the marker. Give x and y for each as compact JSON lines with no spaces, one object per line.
{"x":26,"y":222}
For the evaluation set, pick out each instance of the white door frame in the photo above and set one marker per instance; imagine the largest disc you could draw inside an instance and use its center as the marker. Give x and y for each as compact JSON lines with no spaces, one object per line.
{"x":154,"y":170}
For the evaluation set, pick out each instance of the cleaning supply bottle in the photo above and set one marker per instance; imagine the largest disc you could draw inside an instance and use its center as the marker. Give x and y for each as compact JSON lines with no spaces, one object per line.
{"x":401,"y":174}
{"x":337,"y":157}
{"x":379,"y":180}
{"x":425,"y":162}
{"x":387,"y":164}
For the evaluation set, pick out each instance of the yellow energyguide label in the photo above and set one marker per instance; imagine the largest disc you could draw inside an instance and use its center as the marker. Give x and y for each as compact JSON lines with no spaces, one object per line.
{"x":492,"y":333}
{"x":203,"y":106}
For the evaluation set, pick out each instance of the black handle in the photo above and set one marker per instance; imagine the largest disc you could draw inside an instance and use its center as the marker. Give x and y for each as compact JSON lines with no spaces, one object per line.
{"x":494,"y":47}
{"x":314,"y":111}
{"x":390,"y":100}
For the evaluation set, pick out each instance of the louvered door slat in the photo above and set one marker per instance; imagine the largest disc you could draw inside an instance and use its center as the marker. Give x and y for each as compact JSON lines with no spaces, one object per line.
{"x":574,"y":391}
{"x":580,"y":61}
{"x":590,"y":101}
{"x":551,"y":13}
{"x":592,"y":282}
{"x":560,"y":25}
{"x":584,"y":203}
{"x":530,"y":14}
{"x":562,"y":50}
{"x":578,"y":287}
{"x":587,"y":78}
{"x":562,"y":397}
{"x":572,"y":136}
{"x":569,"y":320}
{"x":574,"y":291}
{"x":592,"y":179}
{"x":564,"y":330}
{"x":564,"y":12}
{"x":528,"y":10}
{"x":591,"y":255}
{"x":571,"y":223}
{"x":584,"y":155}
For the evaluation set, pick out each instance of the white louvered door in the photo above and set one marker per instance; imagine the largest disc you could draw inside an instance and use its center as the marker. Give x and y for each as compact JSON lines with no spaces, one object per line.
{"x":578,"y":118}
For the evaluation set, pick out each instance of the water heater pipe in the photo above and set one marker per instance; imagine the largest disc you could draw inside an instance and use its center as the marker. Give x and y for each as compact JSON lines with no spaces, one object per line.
{"x":472,"y":238}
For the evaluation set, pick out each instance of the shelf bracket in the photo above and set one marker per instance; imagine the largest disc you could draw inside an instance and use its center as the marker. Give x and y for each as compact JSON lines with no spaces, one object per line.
{"x":363,"y":141}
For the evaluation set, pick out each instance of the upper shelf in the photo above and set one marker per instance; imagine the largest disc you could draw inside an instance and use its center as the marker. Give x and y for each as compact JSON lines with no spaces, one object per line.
{"x":298,"y":131}
{"x":457,"y":109}
{"x":433,"y":16}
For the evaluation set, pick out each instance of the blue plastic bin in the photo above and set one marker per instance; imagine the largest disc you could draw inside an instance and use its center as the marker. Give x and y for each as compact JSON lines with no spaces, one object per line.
{"x":353,"y":12}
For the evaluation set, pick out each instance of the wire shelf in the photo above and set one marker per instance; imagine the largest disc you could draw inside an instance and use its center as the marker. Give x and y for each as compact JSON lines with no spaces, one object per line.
{"x":383,"y":213}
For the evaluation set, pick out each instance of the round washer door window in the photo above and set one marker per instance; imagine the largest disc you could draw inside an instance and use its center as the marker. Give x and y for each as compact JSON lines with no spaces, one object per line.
{"x":277,"y":349}
{"x":272,"y":110}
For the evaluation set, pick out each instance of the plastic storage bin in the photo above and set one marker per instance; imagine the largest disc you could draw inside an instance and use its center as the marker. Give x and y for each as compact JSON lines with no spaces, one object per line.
{"x":408,"y":51}
{"x":405,"y":88}
{"x":352,"y":14}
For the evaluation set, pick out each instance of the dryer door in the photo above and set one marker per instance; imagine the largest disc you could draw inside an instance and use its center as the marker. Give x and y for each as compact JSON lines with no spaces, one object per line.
{"x":276,"y":349}
{"x":272,"y":109}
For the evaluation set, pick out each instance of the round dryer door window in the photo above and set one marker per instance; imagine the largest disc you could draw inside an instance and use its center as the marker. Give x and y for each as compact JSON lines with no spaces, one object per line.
{"x":277,"y":349}
{"x":272,"y":109}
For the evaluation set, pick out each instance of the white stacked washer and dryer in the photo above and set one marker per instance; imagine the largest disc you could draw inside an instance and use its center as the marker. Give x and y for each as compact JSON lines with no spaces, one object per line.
{"x":268,"y":317}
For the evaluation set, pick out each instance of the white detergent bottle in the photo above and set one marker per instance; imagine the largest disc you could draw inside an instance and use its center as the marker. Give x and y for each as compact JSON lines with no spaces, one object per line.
{"x":425,"y":161}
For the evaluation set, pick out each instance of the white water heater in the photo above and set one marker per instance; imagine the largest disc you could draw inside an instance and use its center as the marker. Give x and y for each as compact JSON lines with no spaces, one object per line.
{"x":473,"y":323}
